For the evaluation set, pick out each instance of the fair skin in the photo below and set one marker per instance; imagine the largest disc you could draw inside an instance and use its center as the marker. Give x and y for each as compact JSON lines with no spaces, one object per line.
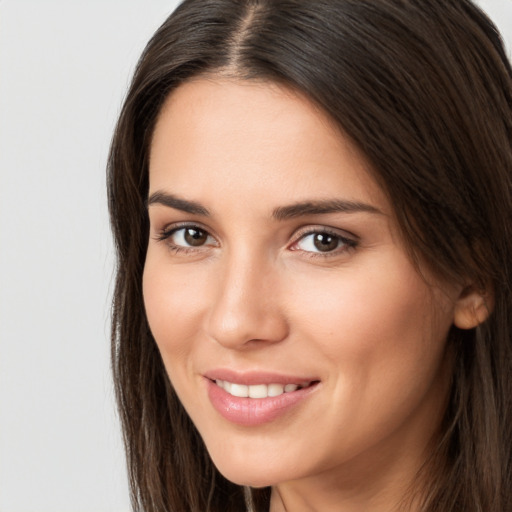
{"x":239,"y":284}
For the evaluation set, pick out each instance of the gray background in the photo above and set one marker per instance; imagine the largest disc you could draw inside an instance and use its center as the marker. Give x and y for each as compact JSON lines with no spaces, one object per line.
{"x":64,"y":68}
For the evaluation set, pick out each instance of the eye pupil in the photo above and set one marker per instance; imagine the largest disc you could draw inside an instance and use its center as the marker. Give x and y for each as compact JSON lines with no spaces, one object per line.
{"x":195,"y":237}
{"x":325,"y":242}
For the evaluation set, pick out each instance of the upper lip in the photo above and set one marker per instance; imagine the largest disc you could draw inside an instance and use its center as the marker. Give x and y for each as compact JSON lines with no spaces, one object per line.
{"x":250,"y":378}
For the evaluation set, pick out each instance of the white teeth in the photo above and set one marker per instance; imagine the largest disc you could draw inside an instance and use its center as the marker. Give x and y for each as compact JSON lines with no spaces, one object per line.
{"x":239,"y":390}
{"x":259,"y":390}
{"x":275,"y":389}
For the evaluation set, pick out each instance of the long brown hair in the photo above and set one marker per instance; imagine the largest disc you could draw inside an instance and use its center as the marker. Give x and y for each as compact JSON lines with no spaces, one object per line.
{"x":424,"y":89}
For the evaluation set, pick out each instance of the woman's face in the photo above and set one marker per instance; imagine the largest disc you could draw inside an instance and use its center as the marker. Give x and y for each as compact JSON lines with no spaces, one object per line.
{"x":275,"y":269}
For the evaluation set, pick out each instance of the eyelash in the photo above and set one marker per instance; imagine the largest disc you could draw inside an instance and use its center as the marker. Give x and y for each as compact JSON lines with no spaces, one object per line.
{"x":347,"y":243}
{"x":166,"y":233}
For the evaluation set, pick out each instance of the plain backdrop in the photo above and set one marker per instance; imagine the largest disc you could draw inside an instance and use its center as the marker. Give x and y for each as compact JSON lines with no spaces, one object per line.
{"x":64,"y":69}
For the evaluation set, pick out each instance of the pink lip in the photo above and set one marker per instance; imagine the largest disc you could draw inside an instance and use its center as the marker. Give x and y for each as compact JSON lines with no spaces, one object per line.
{"x":254,"y":411}
{"x":256,"y":377}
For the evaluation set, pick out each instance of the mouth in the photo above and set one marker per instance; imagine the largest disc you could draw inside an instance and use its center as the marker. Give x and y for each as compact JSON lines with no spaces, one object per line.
{"x":255,"y":398}
{"x":260,"y":390}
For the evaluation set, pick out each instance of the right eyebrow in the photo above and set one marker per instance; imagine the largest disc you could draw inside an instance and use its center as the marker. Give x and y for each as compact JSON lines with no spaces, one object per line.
{"x":177,"y":203}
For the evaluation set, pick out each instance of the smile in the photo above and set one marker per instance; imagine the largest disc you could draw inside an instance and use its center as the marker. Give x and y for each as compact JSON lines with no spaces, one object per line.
{"x":262,"y":398}
{"x":259,"y":390}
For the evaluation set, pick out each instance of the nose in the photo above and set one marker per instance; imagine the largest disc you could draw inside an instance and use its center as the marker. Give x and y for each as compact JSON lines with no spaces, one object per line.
{"x":247,"y":309}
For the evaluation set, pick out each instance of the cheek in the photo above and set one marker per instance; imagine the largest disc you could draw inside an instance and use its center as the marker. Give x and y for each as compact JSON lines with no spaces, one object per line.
{"x":174,"y":300}
{"x":383,"y":335}
{"x":375,"y":322}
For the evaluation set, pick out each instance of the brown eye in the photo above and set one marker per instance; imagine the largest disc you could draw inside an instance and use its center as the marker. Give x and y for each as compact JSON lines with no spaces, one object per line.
{"x":188,"y":237}
{"x":325,"y":242}
{"x":195,"y":237}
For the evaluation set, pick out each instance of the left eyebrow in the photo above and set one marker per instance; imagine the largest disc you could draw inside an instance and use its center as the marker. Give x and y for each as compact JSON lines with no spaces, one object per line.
{"x":322,"y":207}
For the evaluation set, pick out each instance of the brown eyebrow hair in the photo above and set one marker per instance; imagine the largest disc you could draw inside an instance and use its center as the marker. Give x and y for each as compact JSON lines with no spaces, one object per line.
{"x":322,"y":207}
{"x":280,"y":213}
{"x":177,"y":203}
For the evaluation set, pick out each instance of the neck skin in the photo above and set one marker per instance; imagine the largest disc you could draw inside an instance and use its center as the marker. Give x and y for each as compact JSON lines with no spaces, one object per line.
{"x":382,"y":479}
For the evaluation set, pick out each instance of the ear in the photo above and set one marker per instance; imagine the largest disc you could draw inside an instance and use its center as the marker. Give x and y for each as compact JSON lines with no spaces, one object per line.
{"x":472,"y":308}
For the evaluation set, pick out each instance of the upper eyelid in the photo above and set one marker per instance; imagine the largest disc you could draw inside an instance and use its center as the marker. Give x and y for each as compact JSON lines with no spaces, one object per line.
{"x":173,"y":229}
{"x":175,"y":226}
{"x":308,"y":230}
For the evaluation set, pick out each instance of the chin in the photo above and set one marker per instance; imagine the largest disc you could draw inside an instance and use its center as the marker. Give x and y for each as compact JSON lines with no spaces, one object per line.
{"x":249,"y":478}
{"x":251,"y":473}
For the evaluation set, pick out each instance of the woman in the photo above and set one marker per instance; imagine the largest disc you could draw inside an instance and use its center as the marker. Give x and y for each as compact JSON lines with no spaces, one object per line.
{"x":311,"y":203}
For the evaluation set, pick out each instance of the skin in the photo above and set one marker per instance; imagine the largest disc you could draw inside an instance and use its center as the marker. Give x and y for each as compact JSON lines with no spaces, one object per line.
{"x":258,"y":295}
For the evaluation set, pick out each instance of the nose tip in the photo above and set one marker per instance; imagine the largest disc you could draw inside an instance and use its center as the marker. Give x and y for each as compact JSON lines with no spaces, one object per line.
{"x":247,"y":311}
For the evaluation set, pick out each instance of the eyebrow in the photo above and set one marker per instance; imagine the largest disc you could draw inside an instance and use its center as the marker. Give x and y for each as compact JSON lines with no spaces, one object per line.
{"x":303,"y":208}
{"x":323,"y":207}
{"x":177,"y":203}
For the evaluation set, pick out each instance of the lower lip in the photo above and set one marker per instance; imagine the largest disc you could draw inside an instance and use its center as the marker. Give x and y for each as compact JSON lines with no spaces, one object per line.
{"x":254,"y":411}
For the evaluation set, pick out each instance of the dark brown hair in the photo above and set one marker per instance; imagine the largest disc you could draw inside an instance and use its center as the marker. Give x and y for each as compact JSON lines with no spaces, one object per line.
{"x":424,"y":89}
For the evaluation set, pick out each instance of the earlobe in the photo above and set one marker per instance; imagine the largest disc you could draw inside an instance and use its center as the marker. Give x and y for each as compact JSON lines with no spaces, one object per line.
{"x":472,"y":308}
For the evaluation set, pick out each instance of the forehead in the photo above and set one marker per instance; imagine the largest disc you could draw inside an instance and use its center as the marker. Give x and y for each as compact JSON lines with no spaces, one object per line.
{"x":216,"y":134}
